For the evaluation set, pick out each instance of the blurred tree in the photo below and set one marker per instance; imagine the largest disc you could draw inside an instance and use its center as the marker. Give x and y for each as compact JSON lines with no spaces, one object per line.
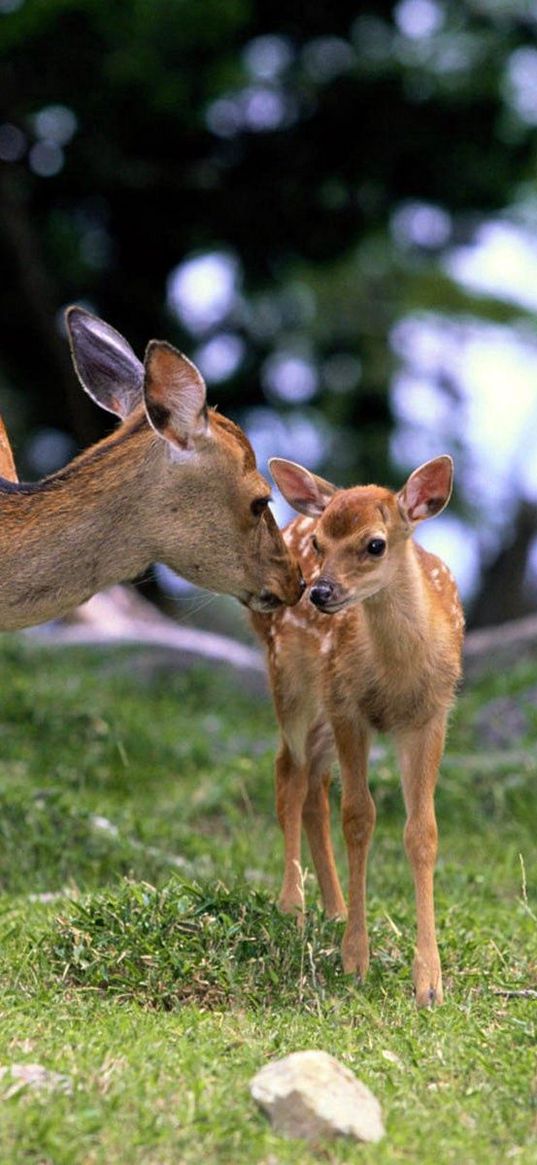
{"x":325,"y":156}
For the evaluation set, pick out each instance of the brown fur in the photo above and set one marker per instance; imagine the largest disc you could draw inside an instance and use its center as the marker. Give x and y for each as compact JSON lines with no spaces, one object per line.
{"x":389,"y":661}
{"x":128,"y":502}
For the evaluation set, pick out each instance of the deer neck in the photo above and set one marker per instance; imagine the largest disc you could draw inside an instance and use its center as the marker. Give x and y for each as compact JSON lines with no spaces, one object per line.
{"x":80,"y":530}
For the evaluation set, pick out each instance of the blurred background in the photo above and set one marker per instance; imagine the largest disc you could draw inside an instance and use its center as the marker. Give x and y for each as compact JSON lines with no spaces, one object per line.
{"x":331,"y":208}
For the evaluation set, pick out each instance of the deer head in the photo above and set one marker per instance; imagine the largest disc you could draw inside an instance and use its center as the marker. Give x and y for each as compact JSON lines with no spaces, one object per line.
{"x":203,"y":505}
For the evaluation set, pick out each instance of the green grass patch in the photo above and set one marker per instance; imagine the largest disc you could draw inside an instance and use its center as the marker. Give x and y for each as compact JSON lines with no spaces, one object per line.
{"x":143,"y":960}
{"x":187,"y":943}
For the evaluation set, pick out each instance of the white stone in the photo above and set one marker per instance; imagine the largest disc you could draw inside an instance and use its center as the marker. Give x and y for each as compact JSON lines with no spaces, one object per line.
{"x":312,"y":1096}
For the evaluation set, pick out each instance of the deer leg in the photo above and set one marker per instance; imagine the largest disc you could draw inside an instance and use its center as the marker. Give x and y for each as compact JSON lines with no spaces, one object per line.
{"x":358,"y":817}
{"x":291,"y":790}
{"x":420,"y":753}
{"x":316,"y":818}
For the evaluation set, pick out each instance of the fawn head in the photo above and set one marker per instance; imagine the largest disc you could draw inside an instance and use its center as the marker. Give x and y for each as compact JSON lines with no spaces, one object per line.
{"x":204,"y":508}
{"x":360,"y":532}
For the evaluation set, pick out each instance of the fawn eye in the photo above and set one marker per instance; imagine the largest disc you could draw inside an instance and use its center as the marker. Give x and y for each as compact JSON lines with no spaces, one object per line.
{"x":376,"y":547}
{"x":315,"y":544}
{"x":258,"y":506}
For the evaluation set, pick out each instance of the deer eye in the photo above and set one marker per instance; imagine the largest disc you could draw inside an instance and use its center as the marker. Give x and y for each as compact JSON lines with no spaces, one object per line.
{"x":315,"y":545}
{"x":376,"y":547}
{"x":258,"y":506}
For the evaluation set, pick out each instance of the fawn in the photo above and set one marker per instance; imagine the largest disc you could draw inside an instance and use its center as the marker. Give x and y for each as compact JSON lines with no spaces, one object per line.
{"x":175,"y":483}
{"x":375,"y":644}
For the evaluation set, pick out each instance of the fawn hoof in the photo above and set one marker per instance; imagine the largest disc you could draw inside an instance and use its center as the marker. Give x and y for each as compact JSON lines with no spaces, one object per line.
{"x":355,"y":960}
{"x":289,"y":905}
{"x":335,"y":907}
{"x":428,"y":987}
{"x":430,"y":998}
{"x":336,"y":912}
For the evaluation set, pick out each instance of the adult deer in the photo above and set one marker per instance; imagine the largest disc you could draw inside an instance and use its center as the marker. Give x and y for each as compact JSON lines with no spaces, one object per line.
{"x":175,"y":483}
{"x":374,"y":645}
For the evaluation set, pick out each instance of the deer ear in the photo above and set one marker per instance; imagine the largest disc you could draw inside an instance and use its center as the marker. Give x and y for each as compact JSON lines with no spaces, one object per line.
{"x":104,"y":362}
{"x":174,"y":395}
{"x":304,"y":491}
{"x":427,"y":490}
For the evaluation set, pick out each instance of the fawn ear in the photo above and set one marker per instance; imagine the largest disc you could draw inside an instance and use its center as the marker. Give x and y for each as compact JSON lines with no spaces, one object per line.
{"x":174,"y":395}
{"x":427,"y":490}
{"x":304,"y":491}
{"x":105,"y":364}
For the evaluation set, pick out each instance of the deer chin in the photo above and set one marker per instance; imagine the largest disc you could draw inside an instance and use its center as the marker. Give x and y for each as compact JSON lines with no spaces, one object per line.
{"x":348,"y":599}
{"x":264,"y":603}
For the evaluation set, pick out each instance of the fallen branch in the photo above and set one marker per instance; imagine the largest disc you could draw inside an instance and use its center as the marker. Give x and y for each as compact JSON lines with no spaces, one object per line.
{"x":515,"y":993}
{"x":491,"y":647}
{"x":121,"y":616}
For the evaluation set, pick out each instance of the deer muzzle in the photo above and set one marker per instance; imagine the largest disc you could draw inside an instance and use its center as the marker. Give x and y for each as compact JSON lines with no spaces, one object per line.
{"x":267,"y":600}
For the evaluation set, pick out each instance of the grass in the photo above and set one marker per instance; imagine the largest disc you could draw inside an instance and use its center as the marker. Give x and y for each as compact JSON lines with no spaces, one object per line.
{"x":143,"y":960}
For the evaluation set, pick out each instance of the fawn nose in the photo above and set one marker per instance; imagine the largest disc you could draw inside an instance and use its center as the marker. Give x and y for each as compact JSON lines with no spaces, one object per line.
{"x":321,"y":593}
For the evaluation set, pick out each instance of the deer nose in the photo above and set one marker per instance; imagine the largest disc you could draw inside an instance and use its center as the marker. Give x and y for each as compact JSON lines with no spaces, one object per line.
{"x":268,"y":601}
{"x":322,"y":592}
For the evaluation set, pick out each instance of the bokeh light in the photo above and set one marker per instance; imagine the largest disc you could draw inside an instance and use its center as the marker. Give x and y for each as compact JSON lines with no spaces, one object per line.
{"x":202,"y":290}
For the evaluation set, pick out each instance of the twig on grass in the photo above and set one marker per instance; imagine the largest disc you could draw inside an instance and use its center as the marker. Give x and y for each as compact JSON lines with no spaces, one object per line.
{"x":316,"y":989}
{"x":525,"y":902}
{"x":301,"y":922}
{"x":515,"y":992}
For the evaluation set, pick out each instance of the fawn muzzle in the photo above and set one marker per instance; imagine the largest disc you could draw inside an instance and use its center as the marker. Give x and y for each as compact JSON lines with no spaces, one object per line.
{"x":325,"y":595}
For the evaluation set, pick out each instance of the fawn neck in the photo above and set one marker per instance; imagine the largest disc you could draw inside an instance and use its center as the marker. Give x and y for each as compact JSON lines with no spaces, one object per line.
{"x":395,"y":655}
{"x":397,"y":615}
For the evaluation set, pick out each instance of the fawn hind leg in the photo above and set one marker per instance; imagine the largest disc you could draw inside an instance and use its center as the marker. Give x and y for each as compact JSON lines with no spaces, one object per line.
{"x":291,"y":792}
{"x":420,"y":752}
{"x":302,"y":791}
{"x":358,"y":816}
{"x":316,"y":818}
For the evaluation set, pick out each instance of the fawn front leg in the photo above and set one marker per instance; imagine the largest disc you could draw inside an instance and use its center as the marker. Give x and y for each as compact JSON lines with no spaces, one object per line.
{"x":291,"y":790}
{"x":420,"y":752}
{"x":358,"y":817}
{"x":316,"y":818}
